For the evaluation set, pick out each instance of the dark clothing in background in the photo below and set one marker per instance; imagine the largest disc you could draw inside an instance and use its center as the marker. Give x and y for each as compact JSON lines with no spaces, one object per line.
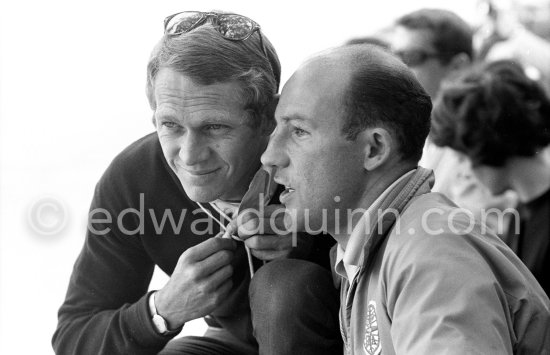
{"x":532,"y":243}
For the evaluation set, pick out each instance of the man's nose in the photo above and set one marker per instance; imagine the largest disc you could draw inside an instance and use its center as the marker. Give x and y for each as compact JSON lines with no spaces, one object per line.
{"x":193,"y":149}
{"x":275,"y":155}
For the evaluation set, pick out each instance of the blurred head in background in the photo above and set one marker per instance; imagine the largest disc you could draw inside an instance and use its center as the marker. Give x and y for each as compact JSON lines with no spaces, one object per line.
{"x":434,"y":43}
{"x":378,"y":39}
{"x":535,"y":16}
{"x":509,"y":29}
{"x":499,"y":118}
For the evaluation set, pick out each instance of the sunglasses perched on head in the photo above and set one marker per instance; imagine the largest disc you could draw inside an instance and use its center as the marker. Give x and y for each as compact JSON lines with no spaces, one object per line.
{"x":233,"y":27}
{"x":416,"y":57}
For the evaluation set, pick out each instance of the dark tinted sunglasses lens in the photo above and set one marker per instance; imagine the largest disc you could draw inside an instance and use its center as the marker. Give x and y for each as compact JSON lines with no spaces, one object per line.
{"x":183,"y":22}
{"x":235,"y":27}
{"x":413,"y":58}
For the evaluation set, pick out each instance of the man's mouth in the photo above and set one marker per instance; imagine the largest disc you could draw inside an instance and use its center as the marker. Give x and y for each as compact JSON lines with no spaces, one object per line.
{"x":200,"y":172}
{"x":197,"y":177}
{"x":196,"y":172}
{"x":286,"y":194}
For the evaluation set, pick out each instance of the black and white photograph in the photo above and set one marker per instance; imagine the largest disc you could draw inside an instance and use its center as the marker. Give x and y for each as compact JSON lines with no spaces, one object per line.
{"x":275,"y":178}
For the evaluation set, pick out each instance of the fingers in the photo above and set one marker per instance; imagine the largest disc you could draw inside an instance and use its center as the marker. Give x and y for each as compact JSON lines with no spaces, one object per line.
{"x":220,"y":277}
{"x":217,"y":286}
{"x":269,"y":242}
{"x":270,"y":247}
{"x":225,"y":287}
{"x":270,"y":255}
{"x":269,"y":220}
{"x":214,"y":262}
{"x":223,"y":291}
{"x":207,"y":248}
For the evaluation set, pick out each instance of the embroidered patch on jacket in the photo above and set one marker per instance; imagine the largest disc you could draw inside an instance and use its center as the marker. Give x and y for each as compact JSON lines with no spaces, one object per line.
{"x":372,"y":344}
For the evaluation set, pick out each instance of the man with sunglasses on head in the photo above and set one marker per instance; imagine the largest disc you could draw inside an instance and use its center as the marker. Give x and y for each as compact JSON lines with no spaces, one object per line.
{"x":212,"y":80}
{"x":437,"y":45}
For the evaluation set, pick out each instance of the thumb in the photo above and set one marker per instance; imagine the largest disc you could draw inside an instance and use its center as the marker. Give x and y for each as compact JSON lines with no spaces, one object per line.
{"x":249,"y":228}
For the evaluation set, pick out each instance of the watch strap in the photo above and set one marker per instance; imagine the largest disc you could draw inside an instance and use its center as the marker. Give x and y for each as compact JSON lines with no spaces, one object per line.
{"x":159,"y":323}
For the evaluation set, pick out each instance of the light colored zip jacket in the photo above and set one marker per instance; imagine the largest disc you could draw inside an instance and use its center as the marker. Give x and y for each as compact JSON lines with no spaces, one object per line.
{"x":428,"y":281}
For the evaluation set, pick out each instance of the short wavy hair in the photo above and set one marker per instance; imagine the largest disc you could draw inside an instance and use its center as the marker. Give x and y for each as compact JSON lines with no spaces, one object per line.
{"x":207,"y":58}
{"x":491,"y":113}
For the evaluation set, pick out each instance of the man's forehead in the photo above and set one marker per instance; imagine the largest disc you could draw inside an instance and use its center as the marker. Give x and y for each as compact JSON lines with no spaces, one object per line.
{"x":172,"y":85}
{"x":325,"y":71}
{"x":317,"y":86}
{"x":403,"y":38}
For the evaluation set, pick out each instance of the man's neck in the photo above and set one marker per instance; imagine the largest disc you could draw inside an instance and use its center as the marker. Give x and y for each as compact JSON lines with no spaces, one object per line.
{"x":375,"y":186}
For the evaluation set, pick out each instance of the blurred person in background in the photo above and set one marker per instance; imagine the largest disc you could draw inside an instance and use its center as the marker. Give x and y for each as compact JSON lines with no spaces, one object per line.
{"x":535,"y":16}
{"x":434,"y":43}
{"x":379,"y":38}
{"x":437,"y":45}
{"x":502,"y":34}
{"x":368,"y":40}
{"x":212,"y":82}
{"x":500,"y":119}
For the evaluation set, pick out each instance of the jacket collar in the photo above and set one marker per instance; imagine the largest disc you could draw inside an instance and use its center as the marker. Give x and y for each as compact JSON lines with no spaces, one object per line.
{"x":378,"y":223}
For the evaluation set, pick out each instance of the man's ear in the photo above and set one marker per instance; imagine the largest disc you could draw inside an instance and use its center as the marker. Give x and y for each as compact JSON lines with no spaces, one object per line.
{"x":379,"y":146}
{"x":268,"y":115}
{"x":460,"y":62}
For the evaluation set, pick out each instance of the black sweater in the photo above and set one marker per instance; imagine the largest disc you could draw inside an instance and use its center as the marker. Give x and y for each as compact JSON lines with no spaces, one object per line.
{"x":105,"y":310}
{"x":532,"y":244}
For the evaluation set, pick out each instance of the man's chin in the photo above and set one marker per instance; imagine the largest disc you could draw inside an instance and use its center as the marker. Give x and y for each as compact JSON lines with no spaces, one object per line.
{"x":291,"y":223}
{"x":202,"y":194}
{"x":298,"y":220}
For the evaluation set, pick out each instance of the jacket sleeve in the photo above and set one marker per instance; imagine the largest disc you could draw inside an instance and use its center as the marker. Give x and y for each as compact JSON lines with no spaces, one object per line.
{"x":105,"y":310}
{"x":444,"y":299}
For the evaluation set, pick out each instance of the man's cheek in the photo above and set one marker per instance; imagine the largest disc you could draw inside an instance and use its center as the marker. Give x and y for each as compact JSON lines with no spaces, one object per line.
{"x":170,"y":152}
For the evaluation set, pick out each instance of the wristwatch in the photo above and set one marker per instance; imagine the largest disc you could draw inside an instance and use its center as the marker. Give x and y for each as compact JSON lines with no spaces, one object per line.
{"x":159,"y":323}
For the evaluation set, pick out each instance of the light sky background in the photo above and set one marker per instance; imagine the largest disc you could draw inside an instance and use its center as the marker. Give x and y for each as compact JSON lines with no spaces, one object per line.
{"x":72,"y":96}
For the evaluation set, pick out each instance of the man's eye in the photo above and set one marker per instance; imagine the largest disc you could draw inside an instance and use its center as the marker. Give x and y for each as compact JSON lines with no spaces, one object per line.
{"x":298,"y":132}
{"x":169,"y":125}
{"x":214,"y":127}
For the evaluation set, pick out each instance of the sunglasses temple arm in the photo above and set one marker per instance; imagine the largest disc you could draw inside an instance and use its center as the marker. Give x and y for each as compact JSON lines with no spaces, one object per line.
{"x":262,"y":43}
{"x":264,"y":49}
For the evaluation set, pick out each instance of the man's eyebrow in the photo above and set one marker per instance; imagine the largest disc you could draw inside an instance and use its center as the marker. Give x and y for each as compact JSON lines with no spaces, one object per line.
{"x":287,"y":119}
{"x":166,"y":117}
{"x":166,"y":114}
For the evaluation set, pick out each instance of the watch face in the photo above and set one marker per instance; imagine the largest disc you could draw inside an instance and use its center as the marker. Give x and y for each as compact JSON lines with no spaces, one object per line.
{"x":160,"y":324}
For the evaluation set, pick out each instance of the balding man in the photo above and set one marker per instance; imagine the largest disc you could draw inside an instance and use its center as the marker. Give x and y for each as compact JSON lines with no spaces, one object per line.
{"x":416,"y":275}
